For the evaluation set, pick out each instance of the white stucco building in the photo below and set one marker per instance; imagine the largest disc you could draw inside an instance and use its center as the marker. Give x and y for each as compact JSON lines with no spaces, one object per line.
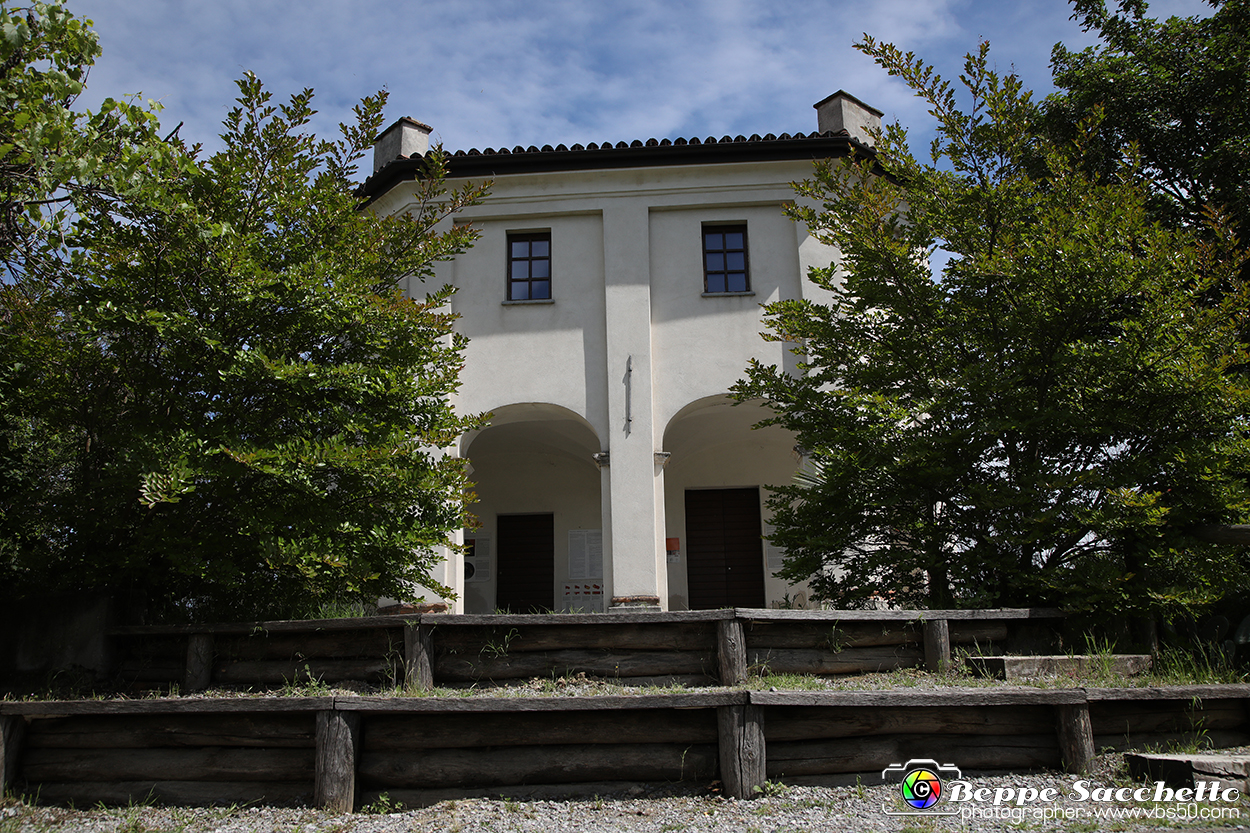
{"x":613,"y":298}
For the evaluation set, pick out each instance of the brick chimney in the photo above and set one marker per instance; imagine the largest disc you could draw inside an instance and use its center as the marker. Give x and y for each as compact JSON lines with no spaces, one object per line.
{"x":403,"y":138}
{"x":843,"y":111}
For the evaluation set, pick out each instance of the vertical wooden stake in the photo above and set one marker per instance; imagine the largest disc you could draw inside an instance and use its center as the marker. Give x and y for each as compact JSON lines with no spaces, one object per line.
{"x":12,"y":731}
{"x":731,"y":649}
{"x":1076,"y":736}
{"x":937,"y":645}
{"x":740,"y":732}
{"x":418,"y":657}
{"x":338,"y":747}
{"x":199,"y":662}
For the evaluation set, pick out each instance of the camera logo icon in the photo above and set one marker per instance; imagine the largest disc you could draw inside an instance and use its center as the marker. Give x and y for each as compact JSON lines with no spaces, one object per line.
{"x":920,"y":783}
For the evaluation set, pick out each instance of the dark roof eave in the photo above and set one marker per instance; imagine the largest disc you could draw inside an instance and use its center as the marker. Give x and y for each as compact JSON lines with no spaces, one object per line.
{"x":502,"y":163}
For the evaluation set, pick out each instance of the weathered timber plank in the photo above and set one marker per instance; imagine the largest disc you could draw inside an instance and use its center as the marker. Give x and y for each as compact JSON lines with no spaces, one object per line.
{"x":540,"y":764}
{"x":12,"y":733}
{"x":1019,"y":668}
{"x":1076,"y":737}
{"x":937,"y":645}
{"x":830,"y":636}
{"x":731,"y":652}
{"x":1178,"y":692}
{"x":266,"y":645}
{"x":659,"y":636}
{"x":786,"y":723}
{"x":741,"y":750}
{"x":386,"y":731}
{"x":1180,"y":770}
{"x":338,"y":749}
{"x":204,"y":764}
{"x":447,"y":705}
{"x":1214,"y":739}
{"x":279,"y":626}
{"x":921,"y":697}
{"x":418,"y":657}
{"x":466,"y":668}
{"x":849,"y":661}
{"x":172,"y":730}
{"x":864,"y":634}
{"x":185,"y":793}
{"x":1004,"y":614}
{"x":1230,"y":534}
{"x":1137,"y":716}
{"x":199,"y":671}
{"x":464,"y":620}
{"x":974,"y":632}
{"x":818,"y":757}
{"x":209,"y":705}
{"x":279,"y":672}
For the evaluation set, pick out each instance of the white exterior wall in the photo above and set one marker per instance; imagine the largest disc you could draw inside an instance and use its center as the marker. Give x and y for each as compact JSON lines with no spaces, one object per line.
{"x":627,"y":292}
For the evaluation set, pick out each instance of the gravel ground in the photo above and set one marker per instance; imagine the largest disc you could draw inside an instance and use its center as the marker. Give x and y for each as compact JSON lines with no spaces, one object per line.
{"x":659,"y":810}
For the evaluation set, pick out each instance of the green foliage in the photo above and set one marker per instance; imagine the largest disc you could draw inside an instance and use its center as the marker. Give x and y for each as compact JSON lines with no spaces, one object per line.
{"x":223,"y":399}
{"x":1174,"y":92}
{"x":1037,"y":423}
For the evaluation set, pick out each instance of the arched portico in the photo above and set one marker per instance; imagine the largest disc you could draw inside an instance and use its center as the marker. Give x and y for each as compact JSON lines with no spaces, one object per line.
{"x":539,"y":540}
{"x":714,"y":505}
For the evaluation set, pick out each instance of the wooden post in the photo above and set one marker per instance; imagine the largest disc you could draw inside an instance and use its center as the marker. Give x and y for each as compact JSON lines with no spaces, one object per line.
{"x":740,"y":732}
{"x":12,"y":730}
{"x":418,"y":657}
{"x":1076,"y":736}
{"x":338,"y":747}
{"x":731,"y":651}
{"x":937,"y":645}
{"x":199,"y":662}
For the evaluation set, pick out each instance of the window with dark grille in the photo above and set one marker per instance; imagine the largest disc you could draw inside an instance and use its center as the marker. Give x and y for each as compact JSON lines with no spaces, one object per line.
{"x":725,"y":259}
{"x":529,"y":266}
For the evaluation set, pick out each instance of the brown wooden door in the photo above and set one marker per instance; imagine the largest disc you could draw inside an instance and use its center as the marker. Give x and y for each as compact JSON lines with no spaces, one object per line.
{"x":525,"y":563}
{"x":724,"y":548}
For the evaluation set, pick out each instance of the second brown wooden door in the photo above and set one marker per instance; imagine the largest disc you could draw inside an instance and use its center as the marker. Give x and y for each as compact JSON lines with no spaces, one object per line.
{"x":724,"y":548}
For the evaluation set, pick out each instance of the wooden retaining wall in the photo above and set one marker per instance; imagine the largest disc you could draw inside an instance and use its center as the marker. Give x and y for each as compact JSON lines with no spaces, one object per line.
{"x":691,"y":647}
{"x":338,"y":752}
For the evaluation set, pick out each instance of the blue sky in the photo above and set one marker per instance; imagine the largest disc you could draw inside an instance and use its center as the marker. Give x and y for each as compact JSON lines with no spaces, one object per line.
{"x":490,"y":73}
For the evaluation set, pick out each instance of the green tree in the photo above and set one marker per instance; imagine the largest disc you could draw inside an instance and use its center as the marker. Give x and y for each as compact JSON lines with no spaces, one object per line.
{"x":1038,"y":421}
{"x":58,"y":166}
{"x":239,"y":404}
{"x":1175,"y":92}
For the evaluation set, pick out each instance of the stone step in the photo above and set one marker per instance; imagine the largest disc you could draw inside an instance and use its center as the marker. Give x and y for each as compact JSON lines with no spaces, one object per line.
{"x":1025,"y":667}
{"x":1184,"y":769}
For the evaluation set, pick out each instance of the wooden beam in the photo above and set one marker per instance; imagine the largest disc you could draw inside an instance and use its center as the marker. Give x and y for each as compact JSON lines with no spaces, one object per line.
{"x":937,"y":645}
{"x":1235,"y":534}
{"x":338,"y":748}
{"x":731,"y":652}
{"x":199,"y":662}
{"x":742,"y":754}
{"x":12,"y":730}
{"x":418,"y":654}
{"x":1076,"y":736}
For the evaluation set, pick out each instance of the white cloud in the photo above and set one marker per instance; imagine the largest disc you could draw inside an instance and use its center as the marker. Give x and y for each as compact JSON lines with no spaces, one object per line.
{"x":533,"y":72}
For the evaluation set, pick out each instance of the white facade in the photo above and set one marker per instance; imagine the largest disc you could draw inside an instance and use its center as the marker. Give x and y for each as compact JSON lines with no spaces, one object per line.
{"x":609,"y":398}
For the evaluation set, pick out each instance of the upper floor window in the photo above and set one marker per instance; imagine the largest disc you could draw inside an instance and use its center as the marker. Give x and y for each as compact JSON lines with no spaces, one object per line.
{"x":725,"y":259}
{"x":529,"y":266}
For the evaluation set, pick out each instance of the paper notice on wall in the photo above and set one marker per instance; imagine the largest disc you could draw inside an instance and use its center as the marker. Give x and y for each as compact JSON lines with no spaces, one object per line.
{"x":585,"y":554}
{"x":476,"y":559}
{"x":583,"y":597}
{"x":775,"y":556}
